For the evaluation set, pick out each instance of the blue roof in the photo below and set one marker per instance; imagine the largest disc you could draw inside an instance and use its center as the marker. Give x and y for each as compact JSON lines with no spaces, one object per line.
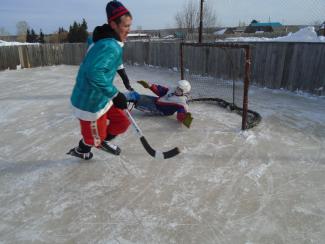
{"x":272,"y":24}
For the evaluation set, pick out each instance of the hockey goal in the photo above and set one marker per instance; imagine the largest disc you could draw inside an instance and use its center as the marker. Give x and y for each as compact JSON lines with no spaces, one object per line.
{"x":220,"y":73}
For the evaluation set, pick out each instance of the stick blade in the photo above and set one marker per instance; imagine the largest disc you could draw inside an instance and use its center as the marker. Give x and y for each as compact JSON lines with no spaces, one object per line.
{"x":171,"y":153}
{"x":152,"y":152}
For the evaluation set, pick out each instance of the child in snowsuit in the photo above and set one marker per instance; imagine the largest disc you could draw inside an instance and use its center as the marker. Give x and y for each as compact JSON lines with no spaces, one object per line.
{"x":168,"y":102}
{"x":95,"y":100}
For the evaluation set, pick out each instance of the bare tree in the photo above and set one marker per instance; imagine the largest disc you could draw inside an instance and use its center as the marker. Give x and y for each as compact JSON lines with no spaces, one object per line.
{"x":4,"y":32}
{"x":241,"y":23}
{"x":189,"y":17}
{"x":22,"y":27}
{"x":209,"y":15}
{"x":316,"y":23}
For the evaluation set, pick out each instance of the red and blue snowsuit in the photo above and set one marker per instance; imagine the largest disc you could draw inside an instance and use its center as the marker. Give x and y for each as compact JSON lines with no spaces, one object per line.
{"x":169,"y":103}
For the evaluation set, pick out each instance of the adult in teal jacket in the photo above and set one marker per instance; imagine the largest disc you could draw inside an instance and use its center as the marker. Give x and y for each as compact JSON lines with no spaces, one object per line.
{"x":96,"y":102}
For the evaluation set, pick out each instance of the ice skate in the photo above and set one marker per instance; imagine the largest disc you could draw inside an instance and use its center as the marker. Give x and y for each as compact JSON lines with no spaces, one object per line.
{"x":75,"y":152}
{"x":110,"y":148}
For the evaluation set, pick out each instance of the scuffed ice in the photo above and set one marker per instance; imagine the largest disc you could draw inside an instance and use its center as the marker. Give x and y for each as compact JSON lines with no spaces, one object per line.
{"x":265,"y":185}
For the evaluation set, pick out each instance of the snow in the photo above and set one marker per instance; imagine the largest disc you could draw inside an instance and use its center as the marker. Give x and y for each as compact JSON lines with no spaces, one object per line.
{"x":220,"y":32}
{"x":4,"y":43}
{"x":307,"y":34}
{"x":137,"y":35}
{"x":265,"y":185}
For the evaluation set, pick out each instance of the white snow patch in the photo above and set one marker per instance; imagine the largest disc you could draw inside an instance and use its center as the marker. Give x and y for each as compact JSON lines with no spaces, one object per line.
{"x":307,"y":34}
{"x":5,"y":43}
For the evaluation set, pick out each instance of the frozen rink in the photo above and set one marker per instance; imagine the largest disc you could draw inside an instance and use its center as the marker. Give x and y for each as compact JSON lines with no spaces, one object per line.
{"x":266,"y":185}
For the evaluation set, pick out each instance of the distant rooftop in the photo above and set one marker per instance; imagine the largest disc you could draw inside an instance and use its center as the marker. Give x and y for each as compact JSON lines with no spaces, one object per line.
{"x":272,"y":24}
{"x":137,"y":35}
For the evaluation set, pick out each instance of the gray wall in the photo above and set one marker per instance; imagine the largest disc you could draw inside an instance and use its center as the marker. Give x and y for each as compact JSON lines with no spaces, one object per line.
{"x":275,"y":65}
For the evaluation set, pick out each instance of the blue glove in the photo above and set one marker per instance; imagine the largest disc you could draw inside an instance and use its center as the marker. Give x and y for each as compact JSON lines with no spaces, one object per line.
{"x":132,"y":96}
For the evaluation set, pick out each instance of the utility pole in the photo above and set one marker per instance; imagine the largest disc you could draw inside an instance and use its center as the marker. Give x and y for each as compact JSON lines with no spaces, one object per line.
{"x":201,"y":23}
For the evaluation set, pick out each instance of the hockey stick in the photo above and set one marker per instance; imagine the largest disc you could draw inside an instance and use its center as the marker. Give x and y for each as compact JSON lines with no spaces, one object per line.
{"x":156,"y":154}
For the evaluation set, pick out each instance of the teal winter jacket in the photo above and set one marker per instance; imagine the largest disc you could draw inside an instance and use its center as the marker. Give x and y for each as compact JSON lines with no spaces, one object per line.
{"x":94,"y":90}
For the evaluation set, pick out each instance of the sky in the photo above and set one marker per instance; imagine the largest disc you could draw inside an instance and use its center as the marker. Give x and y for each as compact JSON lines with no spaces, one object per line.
{"x":148,"y":14}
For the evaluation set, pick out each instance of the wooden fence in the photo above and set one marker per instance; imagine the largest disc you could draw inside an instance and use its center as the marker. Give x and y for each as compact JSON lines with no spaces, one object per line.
{"x":29,"y":56}
{"x":290,"y":66}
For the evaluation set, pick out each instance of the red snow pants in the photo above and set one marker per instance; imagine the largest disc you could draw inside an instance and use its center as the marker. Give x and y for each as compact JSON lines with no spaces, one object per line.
{"x":113,"y":122}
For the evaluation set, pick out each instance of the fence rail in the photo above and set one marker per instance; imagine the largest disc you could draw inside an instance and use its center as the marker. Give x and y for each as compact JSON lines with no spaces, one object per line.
{"x":29,"y":56}
{"x":292,"y":66}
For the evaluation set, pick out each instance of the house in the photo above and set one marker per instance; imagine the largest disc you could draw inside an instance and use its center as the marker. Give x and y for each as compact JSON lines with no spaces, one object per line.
{"x":137,"y":36}
{"x":179,"y":35}
{"x":225,"y":31}
{"x":321,"y":30}
{"x":259,"y":27}
{"x":240,"y":29}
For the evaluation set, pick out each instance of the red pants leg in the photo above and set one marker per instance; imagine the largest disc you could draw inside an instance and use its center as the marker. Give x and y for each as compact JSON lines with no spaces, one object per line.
{"x":113,"y":122}
{"x":118,"y":121}
{"x":94,"y":132}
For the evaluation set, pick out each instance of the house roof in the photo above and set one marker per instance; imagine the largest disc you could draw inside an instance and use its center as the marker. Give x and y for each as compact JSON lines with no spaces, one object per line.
{"x":220,"y":32}
{"x":322,"y":27}
{"x":272,"y":24}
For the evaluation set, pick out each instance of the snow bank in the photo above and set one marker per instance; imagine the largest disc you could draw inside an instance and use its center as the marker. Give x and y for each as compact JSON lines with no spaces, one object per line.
{"x":307,"y":34}
{"x":4,"y":43}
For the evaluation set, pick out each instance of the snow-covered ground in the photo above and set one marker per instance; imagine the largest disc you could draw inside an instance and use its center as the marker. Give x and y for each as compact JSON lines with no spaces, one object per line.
{"x":307,"y":34}
{"x":5,"y":43}
{"x":265,"y":185}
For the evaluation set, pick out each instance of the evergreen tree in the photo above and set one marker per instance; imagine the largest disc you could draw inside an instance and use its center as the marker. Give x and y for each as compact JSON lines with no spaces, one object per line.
{"x":84,"y":24}
{"x":83,"y":33}
{"x":41,"y":37}
{"x":78,"y":32}
{"x":72,"y":35}
{"x":33,"y":36}
{"x":62,"y":35}
{"x":28,"y":36}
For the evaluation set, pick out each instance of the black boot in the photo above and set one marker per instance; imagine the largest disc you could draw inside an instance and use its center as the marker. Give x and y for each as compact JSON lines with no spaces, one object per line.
{"x":109,"y":147}
{"x":82,"y":151}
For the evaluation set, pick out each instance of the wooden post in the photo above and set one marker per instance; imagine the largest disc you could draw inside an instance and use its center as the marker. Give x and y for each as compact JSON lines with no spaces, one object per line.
{"x":23,"y":57}
{"x":201,"y":22}
{"x":181,"y":60}
{"x":246,"y":85}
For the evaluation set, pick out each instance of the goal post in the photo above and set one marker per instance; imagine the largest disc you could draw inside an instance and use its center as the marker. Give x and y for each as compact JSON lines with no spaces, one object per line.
{"x":220,"y":72}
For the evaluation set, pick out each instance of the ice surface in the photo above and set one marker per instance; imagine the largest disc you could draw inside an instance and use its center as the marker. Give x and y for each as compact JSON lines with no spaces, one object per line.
{"x":265,"y":185}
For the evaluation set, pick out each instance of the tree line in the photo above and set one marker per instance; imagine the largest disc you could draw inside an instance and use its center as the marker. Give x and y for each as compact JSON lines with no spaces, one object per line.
{"x":32,"y":37}
{"x":77,"y":33}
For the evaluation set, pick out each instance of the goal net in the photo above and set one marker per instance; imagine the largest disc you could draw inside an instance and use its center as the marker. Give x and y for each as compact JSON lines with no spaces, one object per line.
{"x":219,"y":73}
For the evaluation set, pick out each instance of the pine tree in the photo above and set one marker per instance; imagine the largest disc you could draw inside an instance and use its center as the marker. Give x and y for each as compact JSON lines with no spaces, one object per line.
{"x":83,"y":33}
{"x":72,"y":36}
{"x":78,"y":32}
{"x":33,"y":36}
{"x":62,"y":35}
{"x":28,"y":36}
{"x":84,"y":24}
{"x":41,"y":37}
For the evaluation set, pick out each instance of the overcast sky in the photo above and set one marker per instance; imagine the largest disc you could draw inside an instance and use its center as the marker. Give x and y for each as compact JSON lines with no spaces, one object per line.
{"x":153,"y":14}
